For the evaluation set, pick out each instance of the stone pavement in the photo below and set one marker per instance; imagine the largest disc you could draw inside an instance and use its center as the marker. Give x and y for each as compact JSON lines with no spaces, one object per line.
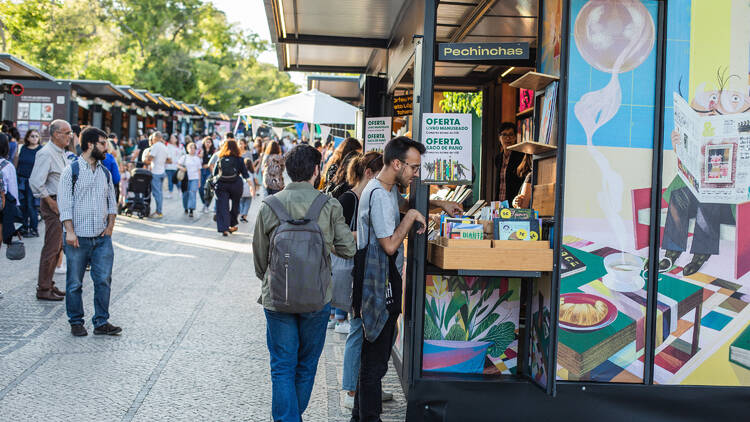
{"x":193,"y":343}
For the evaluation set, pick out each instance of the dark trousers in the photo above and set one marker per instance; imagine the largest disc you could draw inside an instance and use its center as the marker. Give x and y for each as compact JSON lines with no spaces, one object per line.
{"x":52,"y":247}
{"x":368,"y":400}
{"x":226,"y":217}
{"x":683,"y":206}
{"x":28,"y":204}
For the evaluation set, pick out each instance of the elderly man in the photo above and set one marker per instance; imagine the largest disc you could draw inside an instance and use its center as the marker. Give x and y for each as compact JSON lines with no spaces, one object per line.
{"x":45,"y":177}
{"x":158,"y":157}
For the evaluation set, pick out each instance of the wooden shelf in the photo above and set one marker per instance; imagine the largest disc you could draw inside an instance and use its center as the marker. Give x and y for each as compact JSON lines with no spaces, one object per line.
{"x":534,"y":80}
{"x":533,"y":148}
{"x":525,"y":112}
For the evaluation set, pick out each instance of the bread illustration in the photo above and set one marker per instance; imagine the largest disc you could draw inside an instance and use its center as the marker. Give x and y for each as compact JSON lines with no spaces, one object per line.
{"x":584,"y":314}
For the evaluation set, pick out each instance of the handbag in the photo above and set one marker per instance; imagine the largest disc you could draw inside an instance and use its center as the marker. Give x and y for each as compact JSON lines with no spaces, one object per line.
{"x":358,"y":270}
{"x":341,"y":275}
{"x":180,"y":174}
{"x":15,"y":251}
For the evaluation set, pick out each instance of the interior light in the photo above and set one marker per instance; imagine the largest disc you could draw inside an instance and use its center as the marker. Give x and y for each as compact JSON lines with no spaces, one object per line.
{"x":510,"y":69}
{"x":281,"y":18}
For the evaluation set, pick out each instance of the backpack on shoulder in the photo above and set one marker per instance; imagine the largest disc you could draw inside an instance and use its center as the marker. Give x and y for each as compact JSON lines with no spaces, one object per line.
{"x":299,"y":263}
{"x":227,"y":169}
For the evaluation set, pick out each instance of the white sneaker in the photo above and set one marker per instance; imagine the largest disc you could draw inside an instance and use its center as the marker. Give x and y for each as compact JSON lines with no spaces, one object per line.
{"x":342,"y":327}
{"x":62,"y":269}
{"x":168,"y":195}
{"x":331,"y":324}
{"x":348,"y":401}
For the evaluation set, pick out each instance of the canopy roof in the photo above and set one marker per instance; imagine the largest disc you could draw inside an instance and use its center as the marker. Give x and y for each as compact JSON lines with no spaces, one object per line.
{"x":15,"y":68}
{"x":311,"y":107}
{"x":91,"y":89}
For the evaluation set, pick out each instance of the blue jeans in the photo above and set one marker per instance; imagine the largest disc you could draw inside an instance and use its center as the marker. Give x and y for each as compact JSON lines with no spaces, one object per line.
{"x":170,"y":175}
{"x":205,"y":174}
{"x":157,"y":184}
{"x":245,"y":202}
{"x":98,"y":252}
{"x":188,"y":197}
{"x":28,"y":204}
{"x":295,"y":342}
{"x":352,"y":352}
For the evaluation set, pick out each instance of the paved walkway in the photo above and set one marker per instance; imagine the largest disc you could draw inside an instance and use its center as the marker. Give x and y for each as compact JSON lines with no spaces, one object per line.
{"x":193,"y":343}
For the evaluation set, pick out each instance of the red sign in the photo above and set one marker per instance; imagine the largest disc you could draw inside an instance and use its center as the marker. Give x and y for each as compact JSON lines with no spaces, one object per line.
{"x":16,"y":89}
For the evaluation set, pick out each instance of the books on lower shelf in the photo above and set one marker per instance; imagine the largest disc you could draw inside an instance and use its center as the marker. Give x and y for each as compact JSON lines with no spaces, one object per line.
{"x":517,"y":224}
{"x":739,"y":350}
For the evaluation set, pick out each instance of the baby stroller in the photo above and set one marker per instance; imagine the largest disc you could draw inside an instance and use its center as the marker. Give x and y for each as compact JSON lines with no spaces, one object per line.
{"x":138,"y":196}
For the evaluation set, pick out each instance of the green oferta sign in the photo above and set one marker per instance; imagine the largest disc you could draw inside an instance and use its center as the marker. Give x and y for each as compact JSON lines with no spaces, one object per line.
{"x":447,"y":140}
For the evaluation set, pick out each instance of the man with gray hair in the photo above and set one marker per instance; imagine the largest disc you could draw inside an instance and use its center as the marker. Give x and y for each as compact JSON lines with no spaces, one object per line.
{"x":157,"y":156}
{"x":50,"y":162}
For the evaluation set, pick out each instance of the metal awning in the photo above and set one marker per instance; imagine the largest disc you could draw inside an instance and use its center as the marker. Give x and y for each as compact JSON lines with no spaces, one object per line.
{"x":15,"y":68}
{"x":92,"y":89}
{"x":148,"y":96}
{"x":133,"y":93}
{"x":346,"y":88}
{"x":360,"y":36}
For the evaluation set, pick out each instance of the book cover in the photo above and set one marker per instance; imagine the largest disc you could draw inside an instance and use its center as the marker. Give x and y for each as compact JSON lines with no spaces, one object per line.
{"x":739,"y":350}
{"x":516,"y":214}
{"x":512,"y":229}
{"x":569,"y":264}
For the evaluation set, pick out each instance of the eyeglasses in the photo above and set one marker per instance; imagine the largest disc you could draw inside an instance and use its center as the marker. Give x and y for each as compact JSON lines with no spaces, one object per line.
{"x":414,"y":167}
{"x":507,"y":135}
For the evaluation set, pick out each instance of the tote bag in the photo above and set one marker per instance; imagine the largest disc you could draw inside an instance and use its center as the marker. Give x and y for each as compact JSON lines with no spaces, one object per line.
{"x":341,"y":276}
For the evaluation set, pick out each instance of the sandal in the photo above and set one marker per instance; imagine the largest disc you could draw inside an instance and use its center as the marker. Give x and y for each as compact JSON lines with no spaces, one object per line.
{"x":233,"y":229}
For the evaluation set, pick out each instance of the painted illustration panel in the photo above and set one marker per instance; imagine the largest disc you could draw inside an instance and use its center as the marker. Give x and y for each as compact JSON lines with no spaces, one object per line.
{"x":471,"y":325}
{"x":609,"y":136}
{"x":704,"y":336}
{"x":540,"y":330}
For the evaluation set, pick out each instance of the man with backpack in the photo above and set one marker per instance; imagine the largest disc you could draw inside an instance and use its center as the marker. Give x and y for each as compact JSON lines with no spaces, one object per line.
{"x":86,"y":198}
{"x":295,"y":232}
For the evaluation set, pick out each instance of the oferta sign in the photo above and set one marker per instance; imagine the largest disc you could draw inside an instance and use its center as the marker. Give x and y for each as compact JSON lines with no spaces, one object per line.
{"x":447,"y":140}
{"x":377,"y":133}
{"x":483,"y":51}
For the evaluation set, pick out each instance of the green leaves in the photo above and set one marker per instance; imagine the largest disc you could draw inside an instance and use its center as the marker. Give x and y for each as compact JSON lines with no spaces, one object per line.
{"x":501,"y":335}
{"x":431,"y":331}
{"x":462,"y":102}
{"x":456,"y":333}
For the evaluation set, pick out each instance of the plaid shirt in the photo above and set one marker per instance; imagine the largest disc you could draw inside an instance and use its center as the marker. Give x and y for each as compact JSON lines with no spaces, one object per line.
{"x":93,"y":201}
{"x":501,"y":189}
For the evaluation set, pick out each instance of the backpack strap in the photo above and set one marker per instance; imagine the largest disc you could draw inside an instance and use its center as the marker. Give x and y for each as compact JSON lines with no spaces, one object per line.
{"x":313,"y":213}
{"x":75,"y":169}
{"x":277,"y":207}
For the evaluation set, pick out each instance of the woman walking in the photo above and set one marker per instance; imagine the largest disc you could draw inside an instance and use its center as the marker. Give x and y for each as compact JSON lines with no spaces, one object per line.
{"x":206,"y":151}
{"x":174,"y":152}
{"x":248,"y":191}
{"x":344,"y":149}
{"x":191,"y":165}
{"x":231,"y":172}
{"x":24,"y":163}
{"x":273,"y":168}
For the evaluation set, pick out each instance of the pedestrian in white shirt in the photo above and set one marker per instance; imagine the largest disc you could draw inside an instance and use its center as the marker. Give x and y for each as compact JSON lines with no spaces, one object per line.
{"x":174,"y":152}
{"x":192,"y":165}
{"x":157,"y":157}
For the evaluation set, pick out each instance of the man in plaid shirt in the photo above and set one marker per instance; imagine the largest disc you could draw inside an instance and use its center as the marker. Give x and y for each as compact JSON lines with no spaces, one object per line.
{"x":87,"y":209}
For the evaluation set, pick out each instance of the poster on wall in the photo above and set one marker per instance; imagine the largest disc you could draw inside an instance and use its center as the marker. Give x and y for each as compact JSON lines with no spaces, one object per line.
{"x":37,"y":107}
{"x":551,"y":37}
{"x":377,"y":133}
{"x":447,"y":140}
{"x":471,"y":325}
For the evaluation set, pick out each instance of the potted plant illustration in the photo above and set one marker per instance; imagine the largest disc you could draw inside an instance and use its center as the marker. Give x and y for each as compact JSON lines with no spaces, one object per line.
{"x":463,"y":324}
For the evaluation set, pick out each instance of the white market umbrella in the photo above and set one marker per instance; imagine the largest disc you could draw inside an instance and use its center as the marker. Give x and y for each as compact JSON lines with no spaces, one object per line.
{"x":310,"y":107}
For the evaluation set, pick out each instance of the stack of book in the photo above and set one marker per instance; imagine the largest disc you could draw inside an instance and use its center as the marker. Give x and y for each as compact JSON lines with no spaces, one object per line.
{"x":526,"y":130}
{"x":517,"y":224}
{"x":461,"y":228}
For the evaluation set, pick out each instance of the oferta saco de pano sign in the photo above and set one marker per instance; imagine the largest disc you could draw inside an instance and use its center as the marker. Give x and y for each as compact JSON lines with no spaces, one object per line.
{"x":483,"y":51}
{"x":447,"y":141}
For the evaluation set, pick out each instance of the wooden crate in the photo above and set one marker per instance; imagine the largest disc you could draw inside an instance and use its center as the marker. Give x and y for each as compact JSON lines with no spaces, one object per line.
{"x":544,"y":199}
{"x":464,"y":243}
{"x":508,"y":255}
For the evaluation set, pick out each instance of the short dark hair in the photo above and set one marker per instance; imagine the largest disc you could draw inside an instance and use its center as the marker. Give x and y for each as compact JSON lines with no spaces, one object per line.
{"x":230,"y":135}
{"x":76,"y":129}
{"x":301,"y":162}
{"x":505,"y":126}
{"x":397,"y":148}
{"x":4,"y":145}
{"x":90,"y":136}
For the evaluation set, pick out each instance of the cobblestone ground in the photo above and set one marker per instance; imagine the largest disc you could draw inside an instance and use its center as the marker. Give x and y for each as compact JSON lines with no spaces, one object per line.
{"x":193,"y":343}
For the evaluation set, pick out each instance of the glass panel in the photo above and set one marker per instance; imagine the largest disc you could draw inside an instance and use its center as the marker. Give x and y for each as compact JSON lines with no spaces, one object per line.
{"x":703,"y":336}
{"x":609,"y":135}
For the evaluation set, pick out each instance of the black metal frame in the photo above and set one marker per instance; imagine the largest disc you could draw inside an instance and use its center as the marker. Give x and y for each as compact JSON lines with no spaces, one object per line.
{"x":335,"y":41}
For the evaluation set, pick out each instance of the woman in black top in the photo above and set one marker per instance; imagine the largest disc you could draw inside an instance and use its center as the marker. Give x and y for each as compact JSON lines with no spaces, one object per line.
{"x":207,"y":150}
{"x":512,"y":166}
{"x":24,"y":164}
{"x":231,"y":171}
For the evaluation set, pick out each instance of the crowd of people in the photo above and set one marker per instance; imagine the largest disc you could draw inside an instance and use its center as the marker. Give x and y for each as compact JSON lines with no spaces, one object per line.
{"x":337,"y":231}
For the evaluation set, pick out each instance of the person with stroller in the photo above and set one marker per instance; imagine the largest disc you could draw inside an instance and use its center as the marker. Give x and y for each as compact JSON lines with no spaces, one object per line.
{"x":190,"y":164}
{"x":229,"y":174}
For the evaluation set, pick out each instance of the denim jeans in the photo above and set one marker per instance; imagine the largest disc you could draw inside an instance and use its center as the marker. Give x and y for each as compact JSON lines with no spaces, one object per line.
{"x":205,"y":174}
{"x":374,"y":357}
{"x":170,"y":175}
{"x":98,"y":252}
{"x":352,"y":351}
{"x":295,"y":342}
{"x":245,"y":202}
{"x":188,"y":197}
{"x":28,"y":204}
{"x":157,"y":184}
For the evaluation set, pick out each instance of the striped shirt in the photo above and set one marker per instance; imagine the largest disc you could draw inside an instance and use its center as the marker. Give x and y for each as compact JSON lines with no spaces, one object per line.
{"x":93,"y":201}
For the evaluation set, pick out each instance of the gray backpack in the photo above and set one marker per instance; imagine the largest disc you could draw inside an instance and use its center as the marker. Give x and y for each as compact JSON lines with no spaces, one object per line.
{"x":299,"y":262}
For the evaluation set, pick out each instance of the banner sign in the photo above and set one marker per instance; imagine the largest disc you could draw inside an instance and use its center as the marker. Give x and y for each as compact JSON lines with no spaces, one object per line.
{"x":447,"y":140}
{"x":377,"y":133}
{"x":483,"y":51}
{"x":402,"y":105}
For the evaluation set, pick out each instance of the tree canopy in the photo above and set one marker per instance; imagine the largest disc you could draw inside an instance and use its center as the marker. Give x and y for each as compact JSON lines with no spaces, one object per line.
{"x":185,"y":49}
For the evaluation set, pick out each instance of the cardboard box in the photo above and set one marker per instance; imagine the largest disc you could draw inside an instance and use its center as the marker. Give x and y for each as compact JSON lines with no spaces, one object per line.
{"x":508,"y":255}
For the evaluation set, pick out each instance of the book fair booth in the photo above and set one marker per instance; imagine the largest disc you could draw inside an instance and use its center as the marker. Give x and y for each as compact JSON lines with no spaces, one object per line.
{"x":621,"y":290}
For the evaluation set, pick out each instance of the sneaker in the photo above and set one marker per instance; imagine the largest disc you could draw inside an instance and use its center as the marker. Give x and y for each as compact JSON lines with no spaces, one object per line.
{"x":157,"y":215}
{"x":186,"y":211}
{"x":348,"y":401}
{"x":387,"y":396}
{"x":342,"y":327}
{"x":107,"y":329}
{"x":79,"y":330}
{"x":204,"y":210}
{"x":190,"y":214}
{"x":331,"y":324}
{"x":168,"y":195}
{"x":62,"y":269}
